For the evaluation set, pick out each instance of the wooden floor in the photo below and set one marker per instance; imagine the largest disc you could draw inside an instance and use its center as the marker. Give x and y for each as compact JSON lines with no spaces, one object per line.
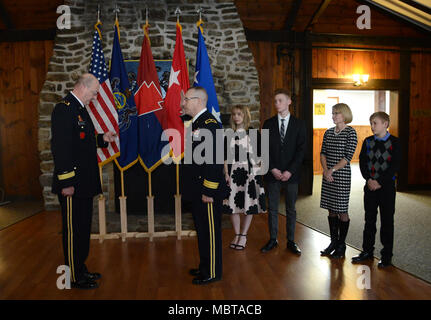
{"x":30,"y":252}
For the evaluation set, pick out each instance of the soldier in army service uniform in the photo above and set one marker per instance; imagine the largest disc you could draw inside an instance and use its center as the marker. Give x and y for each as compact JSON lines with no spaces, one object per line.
{"x":205,"y":187}
{"x":76,"y":177}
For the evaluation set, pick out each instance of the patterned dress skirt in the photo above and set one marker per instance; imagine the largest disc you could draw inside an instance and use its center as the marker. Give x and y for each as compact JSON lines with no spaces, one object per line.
{"x":247,"y":194}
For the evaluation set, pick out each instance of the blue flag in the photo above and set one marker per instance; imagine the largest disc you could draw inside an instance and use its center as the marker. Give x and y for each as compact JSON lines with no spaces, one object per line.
{"x":126,"y":108}
{"x":204,"y":77}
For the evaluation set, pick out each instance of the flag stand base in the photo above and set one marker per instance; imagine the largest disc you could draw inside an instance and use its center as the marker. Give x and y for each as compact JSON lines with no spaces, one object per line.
{"x":150,"y":207}
{"x":123,"y":217}
{"x":102,"y":218}
{"x":178,"y":225}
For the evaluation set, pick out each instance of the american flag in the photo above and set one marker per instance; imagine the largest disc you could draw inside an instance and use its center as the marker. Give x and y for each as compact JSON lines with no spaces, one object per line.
{"x":103,"y":113}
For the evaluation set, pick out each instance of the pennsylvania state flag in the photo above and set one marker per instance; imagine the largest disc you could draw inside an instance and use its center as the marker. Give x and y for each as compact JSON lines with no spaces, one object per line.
{"x":126,"y":108}
{"x":203,"y":75}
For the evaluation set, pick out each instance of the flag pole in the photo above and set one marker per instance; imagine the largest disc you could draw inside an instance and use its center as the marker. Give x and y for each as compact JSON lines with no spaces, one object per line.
{"x":102,"y":210}
{"x":178,"y":223}
{"x":123,"y":203}
{"x":150,"y":209}
{"x":101,"y":200}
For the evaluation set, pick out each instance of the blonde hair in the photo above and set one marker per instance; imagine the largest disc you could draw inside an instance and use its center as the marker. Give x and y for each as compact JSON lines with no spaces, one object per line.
{"x":247,"y":117}
{"x":380,"y":115}
{"x":345,"y":111}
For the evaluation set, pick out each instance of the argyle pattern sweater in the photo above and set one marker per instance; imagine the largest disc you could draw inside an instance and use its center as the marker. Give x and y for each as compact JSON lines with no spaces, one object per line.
{"x":380,"y":159}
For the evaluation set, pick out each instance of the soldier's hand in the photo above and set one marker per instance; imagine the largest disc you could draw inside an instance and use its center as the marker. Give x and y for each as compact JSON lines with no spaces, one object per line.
{"x":68,"y":192}
{"x":109,"y":136}
{"x":206,"y":199}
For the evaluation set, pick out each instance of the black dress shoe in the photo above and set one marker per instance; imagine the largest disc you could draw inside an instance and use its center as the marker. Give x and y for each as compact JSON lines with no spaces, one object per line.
{"x":383,"y":263}
{"x":293,"y":247}
{"x":271,"y":244}
{"x":85,"y":284}
{"x":194,"y":272}
{"x":92,"y":276}
{"x":362,"y":257}
{"x":201,"y":280}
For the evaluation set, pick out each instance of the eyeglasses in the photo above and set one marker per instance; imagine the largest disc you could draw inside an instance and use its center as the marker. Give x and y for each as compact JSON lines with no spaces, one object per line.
{"x":187,"y":98}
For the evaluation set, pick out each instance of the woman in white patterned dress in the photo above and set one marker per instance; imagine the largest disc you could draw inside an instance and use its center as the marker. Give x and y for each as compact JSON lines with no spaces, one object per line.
{"x":247,"y":195}
{"x":338,"y":146}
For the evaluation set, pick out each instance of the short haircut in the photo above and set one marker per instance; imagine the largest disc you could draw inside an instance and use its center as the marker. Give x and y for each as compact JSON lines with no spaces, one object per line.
{"x":282,"y":91}
{"x":86,"y":80}
{"x":380,"y":115}
{"x":247,"y":117}
{"x":201,"y":92}
{"x":345,"y":111}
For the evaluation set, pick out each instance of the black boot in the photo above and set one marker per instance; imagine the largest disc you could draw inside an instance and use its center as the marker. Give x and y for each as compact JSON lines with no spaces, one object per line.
{"x":340,"y":250}
{"x":333,"y":231}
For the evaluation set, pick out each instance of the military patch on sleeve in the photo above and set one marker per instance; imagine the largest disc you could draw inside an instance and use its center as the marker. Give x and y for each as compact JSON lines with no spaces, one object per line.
{"x":209,"y":121}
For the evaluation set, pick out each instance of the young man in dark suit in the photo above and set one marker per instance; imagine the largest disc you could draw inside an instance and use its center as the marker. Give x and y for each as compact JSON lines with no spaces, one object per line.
{"x":287,"y":138}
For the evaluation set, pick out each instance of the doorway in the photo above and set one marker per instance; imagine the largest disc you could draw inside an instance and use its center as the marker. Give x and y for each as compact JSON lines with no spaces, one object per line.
{"x":362,"y":103}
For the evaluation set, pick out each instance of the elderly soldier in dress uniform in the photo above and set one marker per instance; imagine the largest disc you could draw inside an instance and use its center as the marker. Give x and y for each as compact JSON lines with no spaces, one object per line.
{"x":205,"y":187}
{"x":76,"y":174}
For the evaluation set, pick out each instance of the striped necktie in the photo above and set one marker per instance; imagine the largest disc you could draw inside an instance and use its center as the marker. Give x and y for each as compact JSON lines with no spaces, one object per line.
{"x":282,"y":131}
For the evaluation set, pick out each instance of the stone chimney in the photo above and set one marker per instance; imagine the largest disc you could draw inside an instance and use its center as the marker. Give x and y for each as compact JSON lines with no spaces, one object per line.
{"x":234,"y":71}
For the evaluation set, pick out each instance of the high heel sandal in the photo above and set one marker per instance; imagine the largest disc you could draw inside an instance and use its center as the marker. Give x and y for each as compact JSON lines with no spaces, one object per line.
{"x":239,"y":246}
{"x":233,"y":245}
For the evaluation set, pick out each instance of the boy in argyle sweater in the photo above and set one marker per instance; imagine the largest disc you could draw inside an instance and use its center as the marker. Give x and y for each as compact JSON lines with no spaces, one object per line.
{"x":379,"y":162}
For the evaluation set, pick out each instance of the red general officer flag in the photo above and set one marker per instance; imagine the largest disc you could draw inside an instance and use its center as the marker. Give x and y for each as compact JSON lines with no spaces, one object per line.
{"x":149,"y":102}
{"x":178,"y":85}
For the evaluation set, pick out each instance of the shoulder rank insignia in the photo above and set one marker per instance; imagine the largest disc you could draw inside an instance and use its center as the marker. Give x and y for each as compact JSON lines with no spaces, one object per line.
{"x":67,"y":103}
{"x":209,"y":121}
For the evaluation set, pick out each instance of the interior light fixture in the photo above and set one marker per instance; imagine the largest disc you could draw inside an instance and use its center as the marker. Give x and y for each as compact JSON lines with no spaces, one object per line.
{"x":360,"y":79}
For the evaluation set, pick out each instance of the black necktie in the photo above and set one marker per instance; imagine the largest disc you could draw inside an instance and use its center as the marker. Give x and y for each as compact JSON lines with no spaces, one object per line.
{"x":282,"y":131}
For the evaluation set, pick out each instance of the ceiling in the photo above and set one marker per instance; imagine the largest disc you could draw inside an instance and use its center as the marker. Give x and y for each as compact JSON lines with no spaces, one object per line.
{"x":317,"y":15}
{"x":28,"y":14}
{"x":415,"y":11}
{"x":335,"y":16}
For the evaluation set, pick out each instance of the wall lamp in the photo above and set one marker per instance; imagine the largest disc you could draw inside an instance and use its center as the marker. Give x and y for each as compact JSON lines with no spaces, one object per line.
{"x":360,"y":79}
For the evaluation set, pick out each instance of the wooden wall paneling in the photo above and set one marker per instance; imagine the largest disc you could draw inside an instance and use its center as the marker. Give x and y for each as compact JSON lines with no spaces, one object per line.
{"x":378,"y":65}
{"x":358,"y":65}
{"x":23,"y":67}
{"x":348,"y":63}
{"x":420,"y":116}
{"x":341,"y":71}
{"x":339,"y":63}
{"x":426,"y":121}
{"x":414,"y":127}
{"x":332,"y":63}
{"x":404,"y":113}
{"x":314,"y":70}
{"x":271,"y":74}
{"x":306,"y":113}
{"x":394,"y":113}
{"x":321,"y":63}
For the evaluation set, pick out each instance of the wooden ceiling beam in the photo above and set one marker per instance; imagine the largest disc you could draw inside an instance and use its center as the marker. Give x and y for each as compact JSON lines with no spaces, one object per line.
{"x":27,"y":35}
{"x":323,"y":5}
{"x":417,"y":5}
{"x":293,"y":13}
{"x":4,"y":16}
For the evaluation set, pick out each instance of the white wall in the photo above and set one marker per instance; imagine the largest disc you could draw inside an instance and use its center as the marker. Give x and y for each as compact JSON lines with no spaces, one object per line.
{"x":361,"y":102}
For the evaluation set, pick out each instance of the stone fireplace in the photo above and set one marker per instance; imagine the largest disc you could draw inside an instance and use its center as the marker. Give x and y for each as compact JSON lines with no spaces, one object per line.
{"x":234,"y":72}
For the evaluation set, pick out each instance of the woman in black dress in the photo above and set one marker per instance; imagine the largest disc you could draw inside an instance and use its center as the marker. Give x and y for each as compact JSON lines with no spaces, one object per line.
{"x":338,"y":147}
